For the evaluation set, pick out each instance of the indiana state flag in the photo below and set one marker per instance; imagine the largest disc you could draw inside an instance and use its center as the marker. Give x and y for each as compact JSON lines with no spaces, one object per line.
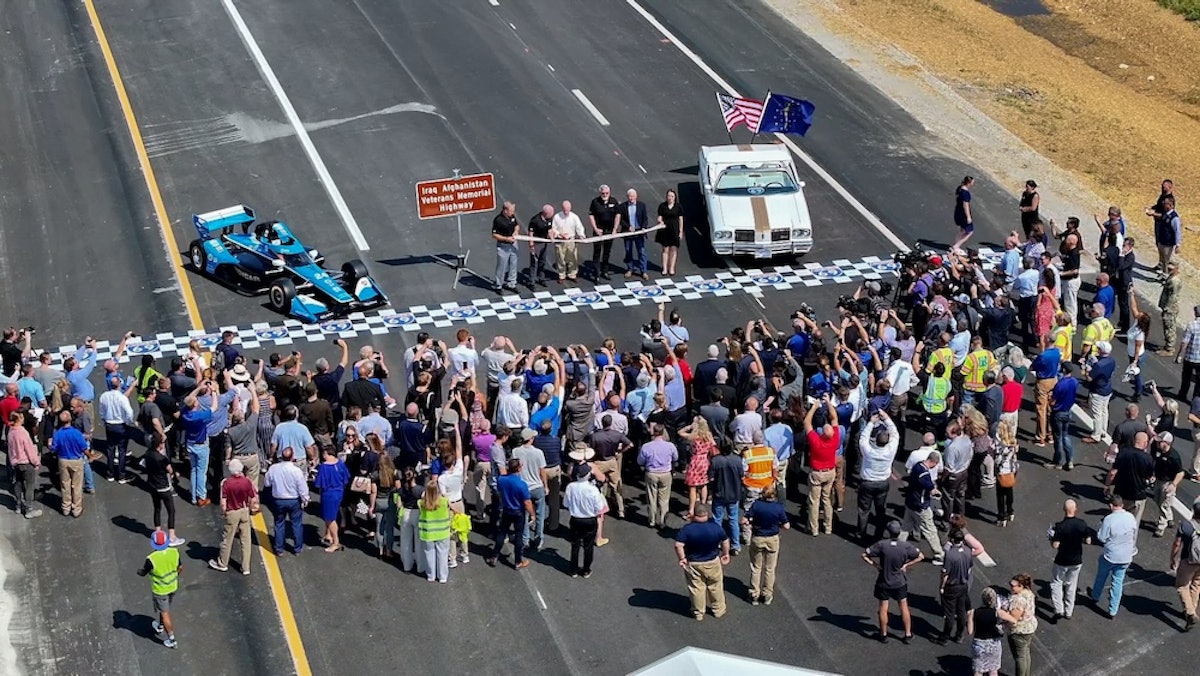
{"x":785,"y":115}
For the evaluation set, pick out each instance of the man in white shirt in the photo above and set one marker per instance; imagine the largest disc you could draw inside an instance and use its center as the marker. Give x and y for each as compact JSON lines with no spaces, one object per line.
{"x":902,"y":376}
{"x":463,"y":357}
{"x":745,"y":424}
{"x":117,"y":414}
{"x":928,"y":445}
{"x":566,"y":229}
{"x":585,"y":504}
{"x":511,"y":410}
{"x":877,"y":442}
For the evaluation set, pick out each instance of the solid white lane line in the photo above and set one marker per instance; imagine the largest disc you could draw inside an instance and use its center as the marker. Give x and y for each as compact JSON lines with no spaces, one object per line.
{"x":642,"y":168}
{"x":541,"y":600}
{"x":512,"y":25}
{"x":551,"y":68}
{"x":587,"y":103}
{"x":804,"y":157}
{"x":335,"y":195}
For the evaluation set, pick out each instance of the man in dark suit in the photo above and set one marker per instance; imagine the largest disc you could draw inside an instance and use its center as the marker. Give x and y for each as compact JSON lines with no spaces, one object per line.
{"x":634,"y":219}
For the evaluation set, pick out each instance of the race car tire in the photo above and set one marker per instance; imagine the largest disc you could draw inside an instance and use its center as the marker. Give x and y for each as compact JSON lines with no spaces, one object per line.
{"x":197,"y":256}
{"x":354,"y":270}
{"x":281,"y":294}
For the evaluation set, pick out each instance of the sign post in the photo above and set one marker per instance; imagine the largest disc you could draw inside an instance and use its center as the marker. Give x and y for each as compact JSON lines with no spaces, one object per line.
{"x":456,"y":196}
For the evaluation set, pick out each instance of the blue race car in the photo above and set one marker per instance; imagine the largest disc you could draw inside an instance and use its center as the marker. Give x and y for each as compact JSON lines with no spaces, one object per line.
{"x":270,"y":258}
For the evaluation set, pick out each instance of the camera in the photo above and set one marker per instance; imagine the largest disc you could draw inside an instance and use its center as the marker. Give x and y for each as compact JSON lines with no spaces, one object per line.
{"x":806,"y":310}
{"x":29,"y":330}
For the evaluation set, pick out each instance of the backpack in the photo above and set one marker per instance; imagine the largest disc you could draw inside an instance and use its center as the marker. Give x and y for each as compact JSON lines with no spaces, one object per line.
{"x":1193,"y":548}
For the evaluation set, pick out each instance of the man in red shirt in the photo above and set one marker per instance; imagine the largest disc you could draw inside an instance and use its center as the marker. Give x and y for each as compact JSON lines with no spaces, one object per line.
{"x":1012,"y":398}
{"x":11,"y":400}
{"x":822,"y":458}
{"x":239,"y":500}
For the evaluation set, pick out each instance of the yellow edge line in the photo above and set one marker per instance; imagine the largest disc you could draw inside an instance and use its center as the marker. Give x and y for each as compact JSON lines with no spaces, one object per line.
{"x":278,"y":591}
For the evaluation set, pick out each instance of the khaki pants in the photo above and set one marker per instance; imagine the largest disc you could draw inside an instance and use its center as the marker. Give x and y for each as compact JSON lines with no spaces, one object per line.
{"x":764,"y":554}
{"x":839,"y":482}
{"x":1164,"y":256}
{"x":820,"y":497}
{"x":568,"y":260}
{"x":658,"y":496}
{"x":922,"y":522}
{"x":612,"y":482}
{"x":237,"y":524}
{"x":70,"y":476}
{"x":1187,"y":583}
{"x":1164,"y":494}
{"x":1042,"y":400}
{"x":706,"y":586}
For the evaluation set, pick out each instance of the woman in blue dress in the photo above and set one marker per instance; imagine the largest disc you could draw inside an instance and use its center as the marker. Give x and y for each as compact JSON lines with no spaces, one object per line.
{"x":332,"y":477}
{"x":963,"y":217}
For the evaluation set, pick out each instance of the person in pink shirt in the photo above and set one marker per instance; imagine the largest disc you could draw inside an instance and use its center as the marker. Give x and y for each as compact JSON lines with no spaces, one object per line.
{"x":24,"y":458}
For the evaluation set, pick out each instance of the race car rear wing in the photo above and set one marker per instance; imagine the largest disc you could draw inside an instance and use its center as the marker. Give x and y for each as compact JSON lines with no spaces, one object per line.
{"x":222,"y":219}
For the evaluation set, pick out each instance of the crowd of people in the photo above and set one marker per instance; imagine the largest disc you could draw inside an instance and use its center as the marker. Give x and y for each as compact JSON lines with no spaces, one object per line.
{"x":413,"y":456}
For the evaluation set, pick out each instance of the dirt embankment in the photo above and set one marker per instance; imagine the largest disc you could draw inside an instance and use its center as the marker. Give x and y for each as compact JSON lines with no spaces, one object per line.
{"x":1106,"y":89}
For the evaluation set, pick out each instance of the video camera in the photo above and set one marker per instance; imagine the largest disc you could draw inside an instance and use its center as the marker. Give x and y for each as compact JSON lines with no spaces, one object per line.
{"x":806,"y":310}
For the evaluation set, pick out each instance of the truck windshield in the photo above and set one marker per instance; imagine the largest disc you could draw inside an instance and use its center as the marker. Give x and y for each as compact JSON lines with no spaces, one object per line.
{"x":743,"y":181}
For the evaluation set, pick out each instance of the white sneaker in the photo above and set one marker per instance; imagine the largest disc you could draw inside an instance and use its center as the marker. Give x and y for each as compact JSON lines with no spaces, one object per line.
{"x":175,"y":542}
{"x":216,"y":565}
{"x":170,"y":642}
{"x":453,"y":563}
{"x":466,"y":558}
{"x":157,"y":626}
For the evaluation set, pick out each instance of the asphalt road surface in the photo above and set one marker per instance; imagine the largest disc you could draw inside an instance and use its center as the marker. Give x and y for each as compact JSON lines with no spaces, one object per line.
{"x":385,"y":94}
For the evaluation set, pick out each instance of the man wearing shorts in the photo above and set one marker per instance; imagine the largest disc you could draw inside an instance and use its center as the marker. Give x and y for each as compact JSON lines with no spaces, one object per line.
{"x":163,"y":567}
{"x":892,"y":558}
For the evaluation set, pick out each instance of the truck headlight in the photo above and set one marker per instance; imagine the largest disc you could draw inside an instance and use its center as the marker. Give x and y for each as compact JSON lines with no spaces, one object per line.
{"x":723,"y":235}
{"x":801,"y":233}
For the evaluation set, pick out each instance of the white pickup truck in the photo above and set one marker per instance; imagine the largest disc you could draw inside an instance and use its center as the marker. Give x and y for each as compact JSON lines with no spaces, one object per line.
{"x":755,"y":201}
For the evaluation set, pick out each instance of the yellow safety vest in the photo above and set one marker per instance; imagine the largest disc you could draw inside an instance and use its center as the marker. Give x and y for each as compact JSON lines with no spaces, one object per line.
{"x":164,"y":574}
{"x":760,"y":463}
{"x":1064,"y":337}
{"x":942,"y":355}
{"x":147,"y":379}
{"x":977,"y":364}
{"x":937,"y":390}
{"x":1100,"y":329}
{"x":434,"y":524}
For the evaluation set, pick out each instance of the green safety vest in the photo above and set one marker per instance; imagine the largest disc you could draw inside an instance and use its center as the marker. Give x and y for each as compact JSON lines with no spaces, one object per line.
{"x":164,"y":577}
{"x":147,"y":379}
{"x":936,"y":392}
{"x":434,"y":524}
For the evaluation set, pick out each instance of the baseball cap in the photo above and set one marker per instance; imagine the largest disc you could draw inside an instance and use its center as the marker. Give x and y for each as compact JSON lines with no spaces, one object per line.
{"x":1104,"y":347}
{"x":527,"y":434}
{"x":582,"y":470}
{"x":963,"y":298}
{"x":158,"y":540}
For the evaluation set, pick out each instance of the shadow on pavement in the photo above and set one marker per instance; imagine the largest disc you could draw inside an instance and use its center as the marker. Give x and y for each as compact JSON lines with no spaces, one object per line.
{"x":140,"y":625}
{"x":659,"y":599}
{"x":857,"y":624}
{"x":132,"y":525}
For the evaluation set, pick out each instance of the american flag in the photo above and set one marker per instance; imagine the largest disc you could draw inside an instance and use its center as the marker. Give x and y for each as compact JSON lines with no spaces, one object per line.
{"x":740,"y":111}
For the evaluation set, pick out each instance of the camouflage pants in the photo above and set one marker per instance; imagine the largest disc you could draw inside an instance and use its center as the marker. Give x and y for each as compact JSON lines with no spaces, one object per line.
{"x":1170,"y":319}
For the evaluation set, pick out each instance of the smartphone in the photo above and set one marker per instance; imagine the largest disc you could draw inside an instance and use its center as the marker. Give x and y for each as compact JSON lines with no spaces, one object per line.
{"x":256,"y":360}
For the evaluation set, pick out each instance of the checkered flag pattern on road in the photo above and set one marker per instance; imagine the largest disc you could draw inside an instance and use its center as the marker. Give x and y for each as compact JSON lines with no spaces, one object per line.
{"x":754,"y":282}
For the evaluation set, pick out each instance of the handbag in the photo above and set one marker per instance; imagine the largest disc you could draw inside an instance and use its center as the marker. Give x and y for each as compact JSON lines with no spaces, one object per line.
{"x":361,"y":509}
{"x":361,"y":484}
{"x":1006,"y":480}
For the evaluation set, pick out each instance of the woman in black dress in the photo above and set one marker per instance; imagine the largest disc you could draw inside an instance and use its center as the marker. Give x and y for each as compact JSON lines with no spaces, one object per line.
{"x":670,"y":216}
